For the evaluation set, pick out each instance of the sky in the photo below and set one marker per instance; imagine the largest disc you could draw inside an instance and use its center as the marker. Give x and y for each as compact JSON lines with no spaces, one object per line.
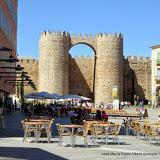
{"x":137,"y":20}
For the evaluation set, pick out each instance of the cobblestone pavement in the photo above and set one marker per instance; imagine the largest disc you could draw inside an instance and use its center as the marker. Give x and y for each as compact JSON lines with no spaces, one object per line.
{"x":12,"y":147}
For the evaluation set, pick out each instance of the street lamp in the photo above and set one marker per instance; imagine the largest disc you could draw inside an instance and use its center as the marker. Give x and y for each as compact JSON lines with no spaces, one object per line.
{"x":25,"y":84}
{"x":14,"y":72}
{"x":5,"y":49}
{"x":10,"y":59}
{"x":17,"y":68}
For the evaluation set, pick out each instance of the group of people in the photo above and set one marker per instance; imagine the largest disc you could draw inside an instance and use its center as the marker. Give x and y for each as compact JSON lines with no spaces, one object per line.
{"x":101,"y":115}
{"x":54,"y":110}
{"x":125,"y":104}
{"x":77,"y":115}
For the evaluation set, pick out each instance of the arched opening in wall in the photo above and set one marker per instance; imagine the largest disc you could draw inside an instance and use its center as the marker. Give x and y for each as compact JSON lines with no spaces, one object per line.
{"x":82,"y":70}
{"x":129,"y":86}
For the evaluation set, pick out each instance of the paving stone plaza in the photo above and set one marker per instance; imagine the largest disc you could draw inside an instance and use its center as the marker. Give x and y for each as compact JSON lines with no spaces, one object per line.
{"x":13,"y":147}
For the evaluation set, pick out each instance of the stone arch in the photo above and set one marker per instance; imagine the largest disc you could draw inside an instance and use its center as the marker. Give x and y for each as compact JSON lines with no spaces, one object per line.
{"x":89,"y":41}
{"x":158,"y":90}
{"x":87,"y":44}
{"x":80,"y":67}
{"x":129,"y":87}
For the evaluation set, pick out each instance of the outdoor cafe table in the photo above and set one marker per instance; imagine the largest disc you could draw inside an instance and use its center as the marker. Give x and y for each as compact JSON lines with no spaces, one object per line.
{"x":128,"y":115}
{"x":117,"y":113}
{"x":37,"y":126}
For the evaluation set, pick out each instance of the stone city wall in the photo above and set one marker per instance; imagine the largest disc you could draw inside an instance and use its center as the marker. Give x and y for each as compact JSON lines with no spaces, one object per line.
{"x":81,"y":71}
{"x":137,"y":77}
{"x":31,"y":66}
{"x":58,"y":73}
{"x":53,"y":63}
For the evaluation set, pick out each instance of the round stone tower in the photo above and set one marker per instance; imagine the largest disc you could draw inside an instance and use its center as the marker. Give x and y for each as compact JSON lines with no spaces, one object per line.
{"x":109,"y":67}
{"x":54,"y":62}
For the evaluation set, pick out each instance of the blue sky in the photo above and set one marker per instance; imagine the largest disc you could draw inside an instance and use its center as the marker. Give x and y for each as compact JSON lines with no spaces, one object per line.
{"x":137,"y":20}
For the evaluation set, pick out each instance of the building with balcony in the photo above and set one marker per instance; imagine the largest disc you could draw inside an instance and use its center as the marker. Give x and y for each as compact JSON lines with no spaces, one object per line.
{"x":155,"y":74}
{"x":8,"y":39}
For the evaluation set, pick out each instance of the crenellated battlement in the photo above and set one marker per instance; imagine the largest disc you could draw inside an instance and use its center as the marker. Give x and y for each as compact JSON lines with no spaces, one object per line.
{"x":105,"y":35}
{"x":30,"y":61}
{"x":81,"y":36}
{"x":138,"y":59}
{"x":82,"y":56}
{"x":59,"y":33}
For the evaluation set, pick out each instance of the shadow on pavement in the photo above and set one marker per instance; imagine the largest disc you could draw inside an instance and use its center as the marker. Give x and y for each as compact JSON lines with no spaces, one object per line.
{"x":27,"y":154}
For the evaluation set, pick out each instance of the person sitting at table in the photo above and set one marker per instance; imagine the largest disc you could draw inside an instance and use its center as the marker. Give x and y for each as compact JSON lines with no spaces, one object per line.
{"x":85,"y":114}
{"x":72,"y":115}
{"x":79,"y":112}
{"x":98,"y":115}
{"x":104,"y":116}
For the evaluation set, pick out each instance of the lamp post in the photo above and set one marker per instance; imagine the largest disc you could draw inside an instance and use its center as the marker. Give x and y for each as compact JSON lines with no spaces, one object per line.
{"x":10,"y":59}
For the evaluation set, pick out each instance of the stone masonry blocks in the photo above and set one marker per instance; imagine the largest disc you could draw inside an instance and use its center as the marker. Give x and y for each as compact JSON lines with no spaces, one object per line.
{"x":109,"y":68}
{"x":53,"y":63}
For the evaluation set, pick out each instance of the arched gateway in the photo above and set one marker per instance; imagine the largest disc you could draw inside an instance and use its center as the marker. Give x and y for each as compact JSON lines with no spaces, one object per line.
{"x":54,"y":63}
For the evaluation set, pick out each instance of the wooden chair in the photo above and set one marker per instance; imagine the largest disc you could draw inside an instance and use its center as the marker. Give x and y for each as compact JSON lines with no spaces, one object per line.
{"x":113,"y":131}
{"x":106,"y":131}
{"x":82,"y":131}
{"x":151,"y":133}
{"x":29,"y":129}
{"x":64,"y":131}
{"x":97,"y":131}
{"x":46,"y":129}
{"x":140,"y":128}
